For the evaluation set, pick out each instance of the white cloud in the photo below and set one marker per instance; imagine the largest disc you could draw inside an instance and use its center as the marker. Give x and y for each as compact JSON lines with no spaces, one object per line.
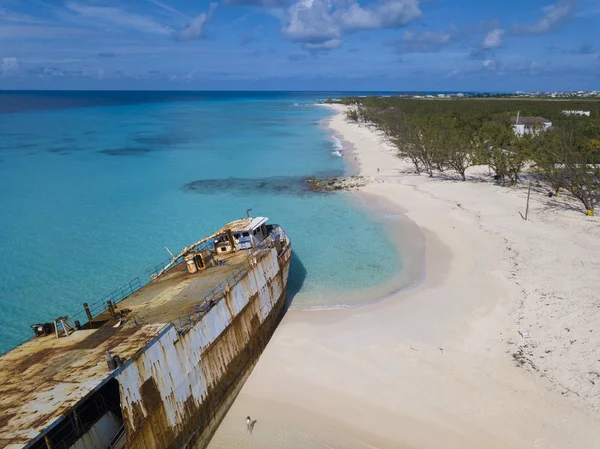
{"x":426,"y":42}
{"x":319,"y":21}
{"x":534,"y":66}
{"x":310,"y":21}
{"x":196,"y":26}
{"x":9,"y":16}
{"x":453,"y":73}
{"x":553,"y":15}
{"x":428,"y":37}
{"x":327,"y":45}
{"x":489,"y":64}
{"x":10,"y":66}
{"x":385,"y":14}
{"x":588,"y":8}
{"x":169,"y":8}
{"x":18,"y":31}
{"x":494,"y":38}
{"x":119,"y":17}
{"x":262,"y":3}
{"x":43,"y":72}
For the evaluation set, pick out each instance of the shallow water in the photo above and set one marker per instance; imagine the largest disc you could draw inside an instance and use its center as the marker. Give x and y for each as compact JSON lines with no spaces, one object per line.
{"x":90,"y":196}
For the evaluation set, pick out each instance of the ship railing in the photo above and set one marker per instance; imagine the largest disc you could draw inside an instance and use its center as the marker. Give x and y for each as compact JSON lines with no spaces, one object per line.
{"x":198,"y":310}
{"x":118,"y":440}
{"x":116,"y":296}
{"x":71,"y":429}
{"x":154,"y":271}
{"x":134,"y":285}
{"x":195,"y":314}
{"x":98,"y":307}
{"x":278,"y":234}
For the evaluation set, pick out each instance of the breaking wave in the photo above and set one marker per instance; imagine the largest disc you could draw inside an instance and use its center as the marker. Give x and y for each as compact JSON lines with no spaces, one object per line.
{"x":338,"y":147}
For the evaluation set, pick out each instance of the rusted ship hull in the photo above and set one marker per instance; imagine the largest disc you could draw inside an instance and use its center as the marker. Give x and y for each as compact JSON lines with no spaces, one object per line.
{"x":176,"y":392}
{"x":156,"y":365}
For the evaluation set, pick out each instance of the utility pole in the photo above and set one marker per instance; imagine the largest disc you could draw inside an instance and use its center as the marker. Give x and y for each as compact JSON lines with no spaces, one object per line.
{"x":527,"y":207}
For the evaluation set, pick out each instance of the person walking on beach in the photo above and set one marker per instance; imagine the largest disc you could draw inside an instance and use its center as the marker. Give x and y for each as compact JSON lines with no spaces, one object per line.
{"x":250,"y":425}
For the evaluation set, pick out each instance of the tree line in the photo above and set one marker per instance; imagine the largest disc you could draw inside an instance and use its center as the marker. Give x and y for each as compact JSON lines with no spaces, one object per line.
{"x":441,"y":135}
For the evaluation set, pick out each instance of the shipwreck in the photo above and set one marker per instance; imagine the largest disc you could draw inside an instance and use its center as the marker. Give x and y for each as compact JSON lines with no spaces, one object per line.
{"x":156,"y":364}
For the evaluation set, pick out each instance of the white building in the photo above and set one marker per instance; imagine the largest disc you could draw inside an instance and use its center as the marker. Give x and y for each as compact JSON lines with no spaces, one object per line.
{"x":530,"y":125}
{"x":586,"y":113}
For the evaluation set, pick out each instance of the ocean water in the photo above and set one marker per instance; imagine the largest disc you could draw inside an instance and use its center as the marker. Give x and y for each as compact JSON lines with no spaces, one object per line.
{"x":92,"y":190}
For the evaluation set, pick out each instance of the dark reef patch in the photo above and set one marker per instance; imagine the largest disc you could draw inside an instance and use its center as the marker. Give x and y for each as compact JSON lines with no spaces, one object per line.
{"x":18,"y":146}
{"x":162,"y":139}
{"x":61,"y":150}
{"x":23,"y":136}
{"x":126,"y":151}
{"x":274,"y":185}
{"x":65,"y":140}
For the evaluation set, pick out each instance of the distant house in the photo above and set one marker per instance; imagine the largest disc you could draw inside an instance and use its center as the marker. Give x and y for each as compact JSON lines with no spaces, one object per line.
{"x":530,"y":125}
{"x":586,"y":113}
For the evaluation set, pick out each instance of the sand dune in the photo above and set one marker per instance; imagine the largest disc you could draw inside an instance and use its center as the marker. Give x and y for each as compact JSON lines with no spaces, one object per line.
{"x":442,"y":365}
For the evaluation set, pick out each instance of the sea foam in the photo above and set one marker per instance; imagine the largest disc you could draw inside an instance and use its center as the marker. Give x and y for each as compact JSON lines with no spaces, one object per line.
{"x":338,"y":147}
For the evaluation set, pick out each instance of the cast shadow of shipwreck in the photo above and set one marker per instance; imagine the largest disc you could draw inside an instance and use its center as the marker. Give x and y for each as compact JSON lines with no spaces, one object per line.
{"x":296,"y":279}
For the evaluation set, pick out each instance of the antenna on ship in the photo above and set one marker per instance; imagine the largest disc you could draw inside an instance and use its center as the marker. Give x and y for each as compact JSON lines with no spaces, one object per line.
{"x":248,"y":212}
{"x":169,"y":251}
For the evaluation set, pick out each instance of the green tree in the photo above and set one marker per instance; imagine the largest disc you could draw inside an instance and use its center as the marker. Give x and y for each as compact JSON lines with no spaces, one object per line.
{"x":568,"y":157}
{"x":352,"y":114}
{"x":461,"y":144}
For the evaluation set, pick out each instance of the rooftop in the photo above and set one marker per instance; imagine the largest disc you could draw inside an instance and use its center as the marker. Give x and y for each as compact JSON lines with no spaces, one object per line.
{"x":244,"y":224}
{"x":524,"y":120}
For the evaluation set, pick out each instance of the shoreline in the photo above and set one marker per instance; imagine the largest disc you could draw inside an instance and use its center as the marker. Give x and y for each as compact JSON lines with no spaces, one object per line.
{"x":403,"y":234}
{"x":409,"y":245}
{"x":442,"y":364}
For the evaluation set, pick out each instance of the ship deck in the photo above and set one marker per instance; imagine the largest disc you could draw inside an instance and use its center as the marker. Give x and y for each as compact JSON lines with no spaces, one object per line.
{"x":176,"y":291}
{"x":46,"y":376}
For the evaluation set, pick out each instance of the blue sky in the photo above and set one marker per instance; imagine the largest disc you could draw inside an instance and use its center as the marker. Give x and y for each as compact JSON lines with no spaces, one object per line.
{"x":300,"y":44}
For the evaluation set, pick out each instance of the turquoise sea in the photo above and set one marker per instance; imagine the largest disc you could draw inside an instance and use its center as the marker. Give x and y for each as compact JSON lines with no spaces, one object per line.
{"x":94,"y":186}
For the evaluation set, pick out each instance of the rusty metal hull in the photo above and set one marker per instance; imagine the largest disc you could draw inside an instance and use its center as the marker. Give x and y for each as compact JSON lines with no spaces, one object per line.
{"x":175,"y":393}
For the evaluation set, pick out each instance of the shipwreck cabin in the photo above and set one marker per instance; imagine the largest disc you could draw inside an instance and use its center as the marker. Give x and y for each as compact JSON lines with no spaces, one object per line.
{"x":241,"y":234}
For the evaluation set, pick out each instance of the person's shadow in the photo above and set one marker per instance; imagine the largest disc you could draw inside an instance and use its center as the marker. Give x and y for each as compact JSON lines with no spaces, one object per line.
{"x":251,"y":426}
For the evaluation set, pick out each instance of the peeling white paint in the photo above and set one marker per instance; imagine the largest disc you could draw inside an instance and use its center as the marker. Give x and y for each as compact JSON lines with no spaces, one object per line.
{"x":178,"y":364}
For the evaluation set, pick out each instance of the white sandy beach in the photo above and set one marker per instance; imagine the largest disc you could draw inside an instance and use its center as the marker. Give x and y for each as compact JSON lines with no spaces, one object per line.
{"x":442,"y":365}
